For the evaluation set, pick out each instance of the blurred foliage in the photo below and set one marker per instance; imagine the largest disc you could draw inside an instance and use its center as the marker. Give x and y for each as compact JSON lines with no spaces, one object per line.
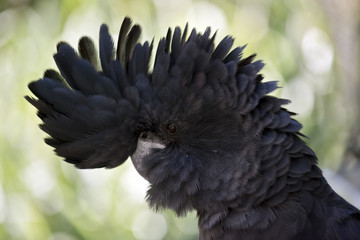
{"x":43,"y":198}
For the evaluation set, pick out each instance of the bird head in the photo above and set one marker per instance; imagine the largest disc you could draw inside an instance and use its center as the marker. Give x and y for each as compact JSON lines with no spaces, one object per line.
{"x":191,"y":123}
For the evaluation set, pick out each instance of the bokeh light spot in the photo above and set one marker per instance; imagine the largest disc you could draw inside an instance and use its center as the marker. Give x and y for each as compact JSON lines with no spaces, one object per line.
{"x":148,"y":225}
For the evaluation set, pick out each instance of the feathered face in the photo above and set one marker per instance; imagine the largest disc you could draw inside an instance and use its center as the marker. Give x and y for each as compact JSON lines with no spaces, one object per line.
{"x":188,"y":125}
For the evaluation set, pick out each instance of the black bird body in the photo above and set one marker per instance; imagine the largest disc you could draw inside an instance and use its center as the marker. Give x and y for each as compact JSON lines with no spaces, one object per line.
{"x":200,"y":127}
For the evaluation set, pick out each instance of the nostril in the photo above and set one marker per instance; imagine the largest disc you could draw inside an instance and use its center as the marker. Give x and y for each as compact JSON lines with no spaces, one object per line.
{"x":172,"y":128}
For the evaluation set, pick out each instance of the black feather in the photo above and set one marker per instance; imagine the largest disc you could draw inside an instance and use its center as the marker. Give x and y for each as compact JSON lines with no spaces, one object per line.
{"x":131,"y":41}
{"x":106,"y":46}
{"x":88,"y":51}
{"x":121,"y":45}
{"x":223,"y":48}
{"x":65,"y":59}
{"x":199,"y":126}
{"x":53,"y":74}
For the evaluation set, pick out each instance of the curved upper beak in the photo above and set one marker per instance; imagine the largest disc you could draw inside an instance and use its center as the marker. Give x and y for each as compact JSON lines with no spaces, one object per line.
{"x":144,"y":148}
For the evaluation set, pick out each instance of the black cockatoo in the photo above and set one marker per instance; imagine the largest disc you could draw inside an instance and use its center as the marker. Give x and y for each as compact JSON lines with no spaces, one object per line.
{"x":199,"y":126}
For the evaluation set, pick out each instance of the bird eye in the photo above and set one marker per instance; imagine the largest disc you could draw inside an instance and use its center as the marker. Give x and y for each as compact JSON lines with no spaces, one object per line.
{"x":172,"y":128}
{"x":144,"y":135}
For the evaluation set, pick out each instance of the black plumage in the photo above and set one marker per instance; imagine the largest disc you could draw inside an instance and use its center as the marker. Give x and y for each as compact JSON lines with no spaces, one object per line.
{"x":199,"y":126}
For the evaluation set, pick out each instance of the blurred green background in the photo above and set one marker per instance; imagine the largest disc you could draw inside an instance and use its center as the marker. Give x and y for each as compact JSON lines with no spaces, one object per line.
{"x":310,"y":46}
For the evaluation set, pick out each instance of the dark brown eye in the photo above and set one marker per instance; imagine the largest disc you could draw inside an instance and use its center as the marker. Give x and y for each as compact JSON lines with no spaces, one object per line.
{"x":172,"y":128}
{"x":144,"y":135}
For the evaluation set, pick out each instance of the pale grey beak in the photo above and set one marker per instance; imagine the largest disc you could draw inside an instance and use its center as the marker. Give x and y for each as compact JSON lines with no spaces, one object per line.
{"x":146,"y":142}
